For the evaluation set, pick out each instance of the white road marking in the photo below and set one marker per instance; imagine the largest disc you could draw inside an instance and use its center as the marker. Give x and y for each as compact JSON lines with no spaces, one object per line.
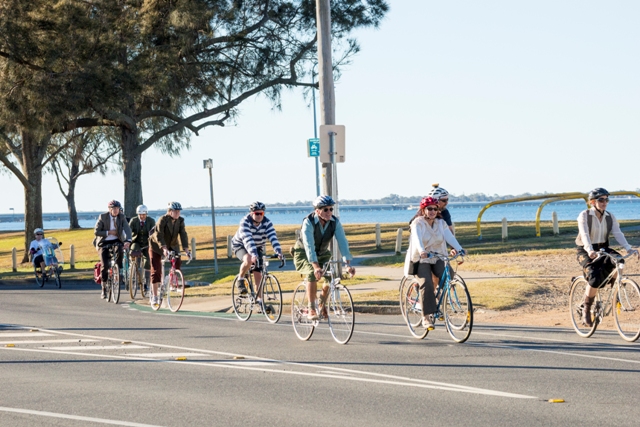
{"x":17,"y":342}
{"x":94,"y":347}
{"x":24,"y":334}
{"x":74,"y":417}
{"x":167,"y":354}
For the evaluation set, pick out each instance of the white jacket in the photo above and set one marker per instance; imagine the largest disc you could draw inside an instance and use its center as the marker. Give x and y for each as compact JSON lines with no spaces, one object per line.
{"x":426,"y":238}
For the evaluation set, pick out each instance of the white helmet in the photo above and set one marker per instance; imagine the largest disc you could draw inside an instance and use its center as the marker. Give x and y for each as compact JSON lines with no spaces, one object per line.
{"x":438,"y":192}
{"x":142,"y":209}
{"x":38,"y":231}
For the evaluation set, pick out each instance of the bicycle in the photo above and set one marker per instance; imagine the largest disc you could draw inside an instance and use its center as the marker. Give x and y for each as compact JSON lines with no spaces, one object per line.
{"x":623,"y":294}
{"x":113,"y":278}
{"x":339,"y":306}
{"x":172,"y":286}
{"x":270,"y":303}
{"x":453,"y":304}
{"x":137,"y":276}
{"x":53,"y":260}
{"x":407,"y":279}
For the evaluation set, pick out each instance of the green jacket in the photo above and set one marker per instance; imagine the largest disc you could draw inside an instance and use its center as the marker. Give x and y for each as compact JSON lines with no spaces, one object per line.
{"x":166,"y":233}
{"x":140,"y":234}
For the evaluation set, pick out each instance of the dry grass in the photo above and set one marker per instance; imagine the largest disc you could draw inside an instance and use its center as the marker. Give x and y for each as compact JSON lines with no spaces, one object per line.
{"x":503,"y":294}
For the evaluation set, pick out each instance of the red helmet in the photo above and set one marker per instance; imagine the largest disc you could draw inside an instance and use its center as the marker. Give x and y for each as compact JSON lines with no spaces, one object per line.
{"x":428,"y":201}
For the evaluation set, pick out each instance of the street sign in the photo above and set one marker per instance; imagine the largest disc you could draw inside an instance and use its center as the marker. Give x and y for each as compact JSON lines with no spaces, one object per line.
{"x":313,"y":147}
{"x":338,"y":139}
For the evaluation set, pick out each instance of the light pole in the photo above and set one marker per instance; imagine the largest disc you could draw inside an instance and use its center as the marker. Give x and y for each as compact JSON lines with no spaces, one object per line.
{"x":208,"y":164}
{"x":315,"y":127}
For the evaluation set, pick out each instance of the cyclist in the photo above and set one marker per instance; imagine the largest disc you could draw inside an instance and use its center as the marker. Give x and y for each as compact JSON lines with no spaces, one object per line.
{"x":428,"y":234}
{"x":311,"y":250}
{"x":164,"y":238}
{"x":594,"y":227}
{"x":141,"y":226}
{"x":37,"y":254}
{"x":249,"y":243}
{"x":442,"y":196}
{"x":111,"y":226}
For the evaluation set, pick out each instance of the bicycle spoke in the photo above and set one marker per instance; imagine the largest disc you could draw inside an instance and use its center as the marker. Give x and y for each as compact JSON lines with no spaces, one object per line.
{"x":242,"y":304}
{"x":626,"y":310}
{"x":115,"y":284}
{"x":175,"y":291}
{"x":341,"y":315}
{"x":272,"y":299}
{"x":413,"y":309}
{"x":458,"y":311}
{"x":302,"y":326}
{"x":576,"y":299}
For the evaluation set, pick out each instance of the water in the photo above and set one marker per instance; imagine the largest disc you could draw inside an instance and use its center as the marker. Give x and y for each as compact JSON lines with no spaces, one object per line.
{"x":461,"y":212}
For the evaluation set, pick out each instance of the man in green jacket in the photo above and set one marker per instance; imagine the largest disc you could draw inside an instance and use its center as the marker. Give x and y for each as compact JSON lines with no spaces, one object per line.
{"x":141,"y":227}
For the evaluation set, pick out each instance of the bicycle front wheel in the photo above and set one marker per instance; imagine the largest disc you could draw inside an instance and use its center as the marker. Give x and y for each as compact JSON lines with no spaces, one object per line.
{"x":458,"y":311}
{"x":412,"y":311}
{"x":242,"y":304}
{"x":175,"y":293}
{"x":627,"y":310}
{"x":576,"y":299}
{"x":302,"y":326}
{"x":341,"y":314}
{"x":272,"y":299}
{"x":56,"y":273}
{"x":133,"y":280}
{"x":115,"y":284}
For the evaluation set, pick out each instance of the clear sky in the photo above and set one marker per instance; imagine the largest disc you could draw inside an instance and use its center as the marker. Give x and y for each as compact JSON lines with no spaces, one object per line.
{"x":494,"y":97}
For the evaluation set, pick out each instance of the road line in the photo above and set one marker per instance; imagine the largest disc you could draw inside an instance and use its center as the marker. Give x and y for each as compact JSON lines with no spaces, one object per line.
{"x":94,"y":347}
{"x":44,"y":341}
{"x":186,"y":354}
{"x":24,"y":334}
{"x":74,"y":417}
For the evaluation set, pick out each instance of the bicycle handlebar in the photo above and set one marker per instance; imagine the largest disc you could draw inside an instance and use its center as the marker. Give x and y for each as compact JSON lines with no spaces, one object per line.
{"x":460,"y":254}
{"x":616,"y":259}
{"x":172,"y":254}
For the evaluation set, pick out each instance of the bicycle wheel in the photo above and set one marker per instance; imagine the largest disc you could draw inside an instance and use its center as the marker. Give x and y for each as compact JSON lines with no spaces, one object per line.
{"x":175,"y":292}
{"x":39,"y":276}
{"x":341,"y":314}
{"x":403,"y":282}
{"x":272,"y":299}
{"x":56,"y":273}
{"x":133,"y":280}
{"x":115,"y":284}
{"x":302,"y":326}
{"x":576,"y":298}
{"x":413,"y":309}
{"x":458,"y":311}
{"x":242,"y":304}
{"x":627,"y":310}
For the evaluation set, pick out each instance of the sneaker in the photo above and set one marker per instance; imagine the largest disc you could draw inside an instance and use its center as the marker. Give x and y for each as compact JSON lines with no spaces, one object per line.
{"x":427,"y":322}
{"x":153,"y":300}
{"x":103,"y":295}
{"x":312,"y":316}
{"x":242,"y":287}
{"x":268,"y":309}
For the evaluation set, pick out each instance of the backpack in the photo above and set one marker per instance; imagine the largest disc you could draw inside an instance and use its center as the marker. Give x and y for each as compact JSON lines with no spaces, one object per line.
{"x":97,"y":275}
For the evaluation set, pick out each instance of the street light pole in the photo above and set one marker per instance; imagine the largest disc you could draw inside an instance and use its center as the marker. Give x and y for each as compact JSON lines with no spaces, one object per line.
{"x":208,"y":164}
{"x":315,"y":128}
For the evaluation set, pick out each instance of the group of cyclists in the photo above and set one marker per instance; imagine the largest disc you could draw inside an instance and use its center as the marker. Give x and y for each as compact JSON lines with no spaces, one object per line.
{"x":431,"y":231}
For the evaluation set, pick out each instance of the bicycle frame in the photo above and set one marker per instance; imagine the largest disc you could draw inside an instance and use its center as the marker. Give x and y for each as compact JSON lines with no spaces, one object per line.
{"x":604,"y":305}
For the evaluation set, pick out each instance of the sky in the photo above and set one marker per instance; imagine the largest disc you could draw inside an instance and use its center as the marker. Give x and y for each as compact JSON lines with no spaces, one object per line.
{"x":493,"y":97}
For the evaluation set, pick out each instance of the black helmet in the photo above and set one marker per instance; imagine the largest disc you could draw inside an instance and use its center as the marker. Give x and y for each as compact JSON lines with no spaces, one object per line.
{"x":257,"y":206}
{"x":597,"y":192}
{"x":114,"y":204}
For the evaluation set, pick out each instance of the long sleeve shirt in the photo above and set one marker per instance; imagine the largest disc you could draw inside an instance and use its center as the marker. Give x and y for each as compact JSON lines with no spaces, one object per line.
{"x":308,"y":239}
{"x":598,"y":233}
{"x":251,"y":236}
{"x":429,"y":238}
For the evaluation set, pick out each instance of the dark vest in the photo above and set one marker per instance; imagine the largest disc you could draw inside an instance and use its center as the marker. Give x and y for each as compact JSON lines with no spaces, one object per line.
{"x":609,"y":221}
{"x":322,"y":241}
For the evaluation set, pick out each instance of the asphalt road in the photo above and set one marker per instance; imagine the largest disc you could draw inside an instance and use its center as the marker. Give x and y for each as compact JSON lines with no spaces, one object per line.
{"x":77,"y":360}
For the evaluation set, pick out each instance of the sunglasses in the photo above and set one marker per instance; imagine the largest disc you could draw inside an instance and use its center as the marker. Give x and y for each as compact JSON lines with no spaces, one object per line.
{"x":258,"y":213}
{"x":431,"y":209}
{"x":444,"y":200}
{"x":327,"y":210}
{"x":39,"y":234}
{"x":603,"y":200}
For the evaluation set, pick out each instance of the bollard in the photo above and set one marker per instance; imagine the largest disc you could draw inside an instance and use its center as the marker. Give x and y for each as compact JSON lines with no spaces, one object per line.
{"x":399,"y":242}
{"x":193,"y":248}
{"x":556,"y":227}
{"x":14,"y":260}
{"x":505,"y":231}
{"x":229,"y":251}
{"x":378,"y":237}
{"x":72,"y":257}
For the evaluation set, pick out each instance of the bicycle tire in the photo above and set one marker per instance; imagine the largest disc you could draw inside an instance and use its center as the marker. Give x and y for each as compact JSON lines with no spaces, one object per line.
{"x":115,"y":284}
{"x":175,"y":291}
{"x":242,"y":304}
{"x":413,"y":310}
{"x":458,"y":311}
{"x":302,"y":326}
{"x":627,"y":310}
{"x":271,"y":299}
{"x":58,"y":281}
{"x":576,"y":298}
{"x":39,"y":277}
{"x":341,"y":314}
{"x":133,"y":280}
{"x":403,"y":281}
{"x":126,"y":266}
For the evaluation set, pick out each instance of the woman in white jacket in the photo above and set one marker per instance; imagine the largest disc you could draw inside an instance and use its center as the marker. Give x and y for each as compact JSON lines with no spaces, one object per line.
{"x":428,"y":234}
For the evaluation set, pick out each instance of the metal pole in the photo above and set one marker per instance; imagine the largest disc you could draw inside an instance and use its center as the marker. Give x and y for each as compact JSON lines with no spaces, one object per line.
{"x":334,"y":194}
{"x":315,"y":131}
{"x":213,"y":223}
{"x":325,"y":78}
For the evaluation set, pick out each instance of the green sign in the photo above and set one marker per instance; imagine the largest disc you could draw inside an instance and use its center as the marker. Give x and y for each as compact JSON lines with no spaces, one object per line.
{"x":313,"y":147}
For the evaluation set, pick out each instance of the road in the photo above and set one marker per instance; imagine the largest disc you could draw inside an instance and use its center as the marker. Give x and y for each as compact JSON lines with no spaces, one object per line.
{"x":71,"y":359}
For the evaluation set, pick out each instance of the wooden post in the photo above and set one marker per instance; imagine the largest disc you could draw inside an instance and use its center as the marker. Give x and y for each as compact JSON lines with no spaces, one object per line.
{"x":505,"y":230}
{"x":399,"y":242}
{"x":72,"y":257}
{"x":14,"y":260}
{"x":193,"y":248}
{"x":556,"y":227}
{"x":229,"y":251}
{"x":378,"y":237}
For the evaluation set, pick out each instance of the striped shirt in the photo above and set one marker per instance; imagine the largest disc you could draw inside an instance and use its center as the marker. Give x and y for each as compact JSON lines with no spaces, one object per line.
{"x":251,"y":237}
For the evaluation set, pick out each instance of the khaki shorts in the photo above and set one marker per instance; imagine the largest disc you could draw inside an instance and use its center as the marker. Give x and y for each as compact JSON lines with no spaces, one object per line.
{"x":304,"y":267}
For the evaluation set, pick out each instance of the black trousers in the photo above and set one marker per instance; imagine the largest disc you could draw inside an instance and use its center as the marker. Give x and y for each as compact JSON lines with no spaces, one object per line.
{"x":596,"y":271}
{"x":105,"y":259}
{"x":425,"y":280}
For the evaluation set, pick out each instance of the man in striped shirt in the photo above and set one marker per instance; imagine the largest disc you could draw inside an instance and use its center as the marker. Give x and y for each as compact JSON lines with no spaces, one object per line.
{"x":250,"y":241}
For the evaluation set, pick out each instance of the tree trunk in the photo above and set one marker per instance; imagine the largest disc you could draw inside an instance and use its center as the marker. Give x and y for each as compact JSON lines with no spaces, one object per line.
{"x":132,"y":169}
{"x":32,"y":154}
{"x":71,"y":205}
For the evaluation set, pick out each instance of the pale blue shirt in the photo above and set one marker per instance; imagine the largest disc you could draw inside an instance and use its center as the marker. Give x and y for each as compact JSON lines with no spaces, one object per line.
{"x":309,"y":241}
